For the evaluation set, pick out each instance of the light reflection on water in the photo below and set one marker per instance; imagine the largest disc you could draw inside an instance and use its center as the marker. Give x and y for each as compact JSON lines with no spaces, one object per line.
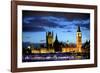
{"x":54,"y":57}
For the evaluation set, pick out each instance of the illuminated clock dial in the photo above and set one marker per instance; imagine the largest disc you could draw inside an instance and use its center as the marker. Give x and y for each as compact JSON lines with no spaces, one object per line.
{"x":79,"y":35}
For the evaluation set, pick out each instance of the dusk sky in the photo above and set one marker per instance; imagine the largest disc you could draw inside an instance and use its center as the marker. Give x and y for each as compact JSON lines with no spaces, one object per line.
{"x":37,"y":23}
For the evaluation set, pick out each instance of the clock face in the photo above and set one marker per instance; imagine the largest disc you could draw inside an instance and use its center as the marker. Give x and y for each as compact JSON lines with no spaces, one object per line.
{"x":79,"y":35}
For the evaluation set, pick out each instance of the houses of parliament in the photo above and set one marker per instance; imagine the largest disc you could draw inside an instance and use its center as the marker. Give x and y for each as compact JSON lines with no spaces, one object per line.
{"x":54,"y":46}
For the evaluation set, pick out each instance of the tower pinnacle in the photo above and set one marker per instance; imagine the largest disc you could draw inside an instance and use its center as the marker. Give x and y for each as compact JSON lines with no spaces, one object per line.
{"x":78,"y":30}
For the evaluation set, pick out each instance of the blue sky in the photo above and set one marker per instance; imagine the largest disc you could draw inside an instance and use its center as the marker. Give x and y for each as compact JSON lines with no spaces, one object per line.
{"x":37,"y":23}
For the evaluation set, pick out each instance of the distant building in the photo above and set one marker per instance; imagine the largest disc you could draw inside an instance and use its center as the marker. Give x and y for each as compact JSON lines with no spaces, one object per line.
{"x":56,"y":46}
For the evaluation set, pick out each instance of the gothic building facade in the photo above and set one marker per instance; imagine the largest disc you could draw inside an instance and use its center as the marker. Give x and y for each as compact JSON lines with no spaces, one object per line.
{"x":56,"y":45}
{"x":53,"y":46}
{"x":49,"y":39}
{"x":78,"y":47}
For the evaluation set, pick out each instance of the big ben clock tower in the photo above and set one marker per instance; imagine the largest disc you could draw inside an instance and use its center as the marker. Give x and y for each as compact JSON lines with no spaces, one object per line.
{"x":79,"y":40}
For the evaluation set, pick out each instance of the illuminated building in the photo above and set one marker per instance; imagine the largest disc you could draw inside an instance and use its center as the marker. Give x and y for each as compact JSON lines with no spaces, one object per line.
{"x":78,"y":47}
{"x":49,"y":40}
{"x":56,"y":46}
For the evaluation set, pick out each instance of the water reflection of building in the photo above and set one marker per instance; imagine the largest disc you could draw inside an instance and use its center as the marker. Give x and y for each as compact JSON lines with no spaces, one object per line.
{"x":53,"y":46}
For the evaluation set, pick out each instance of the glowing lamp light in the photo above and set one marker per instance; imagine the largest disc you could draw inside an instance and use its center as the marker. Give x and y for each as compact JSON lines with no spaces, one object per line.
{"x":29,"y":47}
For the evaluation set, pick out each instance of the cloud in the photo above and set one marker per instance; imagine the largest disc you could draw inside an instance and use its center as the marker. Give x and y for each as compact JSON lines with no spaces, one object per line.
{"x":33,"y":29}
{"x":40,"y":23}
{"x":67,"y":31}
{"x":53,"y":18}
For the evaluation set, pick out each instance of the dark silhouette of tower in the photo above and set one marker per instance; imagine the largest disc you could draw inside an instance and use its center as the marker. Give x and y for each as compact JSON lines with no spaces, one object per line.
{"x":57,"y":45}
